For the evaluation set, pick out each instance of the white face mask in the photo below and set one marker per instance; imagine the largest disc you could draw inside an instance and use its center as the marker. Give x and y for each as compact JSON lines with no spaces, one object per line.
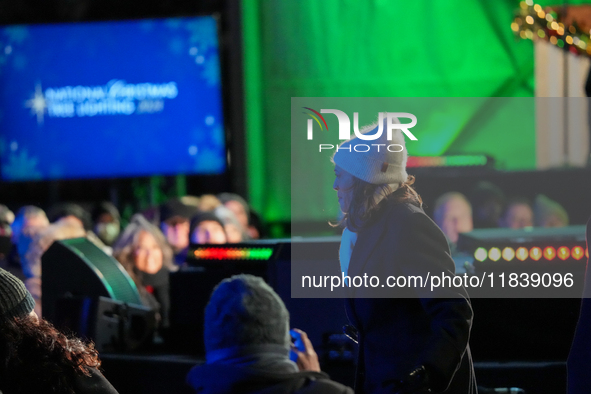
{"x":107,"y":232}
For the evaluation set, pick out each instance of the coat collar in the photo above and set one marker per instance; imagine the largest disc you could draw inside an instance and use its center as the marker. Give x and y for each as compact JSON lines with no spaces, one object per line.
{"x":367,"y":239}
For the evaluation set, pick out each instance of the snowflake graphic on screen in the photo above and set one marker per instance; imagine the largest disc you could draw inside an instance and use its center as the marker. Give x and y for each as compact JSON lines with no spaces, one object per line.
{"x":211,"y":72}
{"x":201,"y":36}
{"x":38,"y":104}
{"x":16,"y":33}
{"x":21,"y":166}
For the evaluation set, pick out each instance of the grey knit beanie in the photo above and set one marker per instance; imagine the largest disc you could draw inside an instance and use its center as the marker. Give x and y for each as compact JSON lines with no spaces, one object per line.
{"x":244,"y":310}
{"x":379,"y":161}
{"x":15,"y":299}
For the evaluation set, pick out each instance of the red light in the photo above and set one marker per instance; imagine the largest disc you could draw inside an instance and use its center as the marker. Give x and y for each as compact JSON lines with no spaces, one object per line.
{"x":549,"y":252}
{"x":563,"y":253}
{"x":577,"y":253}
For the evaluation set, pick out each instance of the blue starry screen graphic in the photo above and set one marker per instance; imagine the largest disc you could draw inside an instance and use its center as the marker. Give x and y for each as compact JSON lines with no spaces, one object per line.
{"x":111,"y":99}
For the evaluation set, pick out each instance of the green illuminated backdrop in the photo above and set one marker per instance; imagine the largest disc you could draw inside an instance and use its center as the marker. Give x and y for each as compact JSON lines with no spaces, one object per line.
{"x":375,"y":48}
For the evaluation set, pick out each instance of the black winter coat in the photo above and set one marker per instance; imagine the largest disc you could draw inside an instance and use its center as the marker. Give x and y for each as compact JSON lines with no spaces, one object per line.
{"x":229,"y":379}
{"x":579,"y":359}
{"x":413,"y":326}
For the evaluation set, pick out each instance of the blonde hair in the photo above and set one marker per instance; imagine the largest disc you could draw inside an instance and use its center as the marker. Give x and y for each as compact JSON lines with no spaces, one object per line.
{"x":208,"y":202}
{"x":42,"y":240}
{"x":363,"y":203}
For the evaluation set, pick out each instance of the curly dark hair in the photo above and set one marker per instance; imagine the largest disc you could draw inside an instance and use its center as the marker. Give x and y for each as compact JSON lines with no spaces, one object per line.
{"x":37,"y":358}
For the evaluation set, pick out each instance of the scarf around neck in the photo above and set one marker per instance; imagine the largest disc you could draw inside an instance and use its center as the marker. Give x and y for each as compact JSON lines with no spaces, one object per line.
{"x":349,"y":238}
{"x":267,"y":357}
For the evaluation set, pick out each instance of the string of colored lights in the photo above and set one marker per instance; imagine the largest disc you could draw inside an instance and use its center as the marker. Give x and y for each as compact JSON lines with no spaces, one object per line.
{"x":535,"y":253}
{"x":533,"y":22}
{"x":225,"y":253}
{"x":447,"y":161}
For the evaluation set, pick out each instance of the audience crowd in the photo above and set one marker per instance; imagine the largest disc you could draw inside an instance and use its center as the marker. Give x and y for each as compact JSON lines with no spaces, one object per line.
{"x":156,"y":241}
{"x":247,"y":336}
{"x":151,"y":245}
{"x":487,"y":207}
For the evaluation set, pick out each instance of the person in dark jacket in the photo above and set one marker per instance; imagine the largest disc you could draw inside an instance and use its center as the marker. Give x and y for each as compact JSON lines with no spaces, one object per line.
{"x":247,"y":344}
{"x":579,"y":359}
{"x":411,"y":340}
{"x":37,"y":358}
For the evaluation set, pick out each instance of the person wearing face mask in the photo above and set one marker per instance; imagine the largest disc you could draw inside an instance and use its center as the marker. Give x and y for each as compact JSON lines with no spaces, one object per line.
{"x":107,"y":222}
{"x":207,"y":228}
{"x":144,"y":253}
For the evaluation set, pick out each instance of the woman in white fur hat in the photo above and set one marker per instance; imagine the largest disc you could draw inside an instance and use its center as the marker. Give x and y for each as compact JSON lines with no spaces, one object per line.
{"x":411,"y":340}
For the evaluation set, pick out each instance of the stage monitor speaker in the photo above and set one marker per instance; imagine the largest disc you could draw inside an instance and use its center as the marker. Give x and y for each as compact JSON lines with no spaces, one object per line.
{"x":113,"y":326}
{"x":78,"y":268}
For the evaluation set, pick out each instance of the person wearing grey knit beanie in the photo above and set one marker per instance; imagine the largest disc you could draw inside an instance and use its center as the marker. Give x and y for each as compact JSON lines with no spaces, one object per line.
{"x":247,"y":344}
{"x":387,"y":234}
{"x":37,"y":358}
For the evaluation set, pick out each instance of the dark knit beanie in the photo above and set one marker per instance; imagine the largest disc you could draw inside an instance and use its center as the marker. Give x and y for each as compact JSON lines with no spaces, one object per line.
{"x":203,"y":217}
{"x":15,"y":299}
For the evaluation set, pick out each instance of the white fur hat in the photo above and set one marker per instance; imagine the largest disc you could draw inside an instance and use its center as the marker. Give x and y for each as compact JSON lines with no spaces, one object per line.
{"x":375,"y":161}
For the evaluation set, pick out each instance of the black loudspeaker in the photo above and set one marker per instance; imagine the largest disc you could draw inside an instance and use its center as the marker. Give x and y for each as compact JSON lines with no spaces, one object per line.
{"x":191,"y":287}
{"x":90,"y":293}
{"x":113,"y":325}
{"x":190,"y":290}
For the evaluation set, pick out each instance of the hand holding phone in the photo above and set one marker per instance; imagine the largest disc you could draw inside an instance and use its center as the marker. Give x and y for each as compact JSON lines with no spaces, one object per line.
{"x":302,"y":351}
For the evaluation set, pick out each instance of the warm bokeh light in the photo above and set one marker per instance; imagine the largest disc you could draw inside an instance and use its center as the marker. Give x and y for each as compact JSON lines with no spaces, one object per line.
{"x":549,"y":253}
{"x":535,"y":253}
{"x":480,"y":254}
{"x":578,"y":253}
{"x":563,"y":253}
{"x":508,"y":253}
{"x":522,"y":253}
{"x":494,"y":254}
